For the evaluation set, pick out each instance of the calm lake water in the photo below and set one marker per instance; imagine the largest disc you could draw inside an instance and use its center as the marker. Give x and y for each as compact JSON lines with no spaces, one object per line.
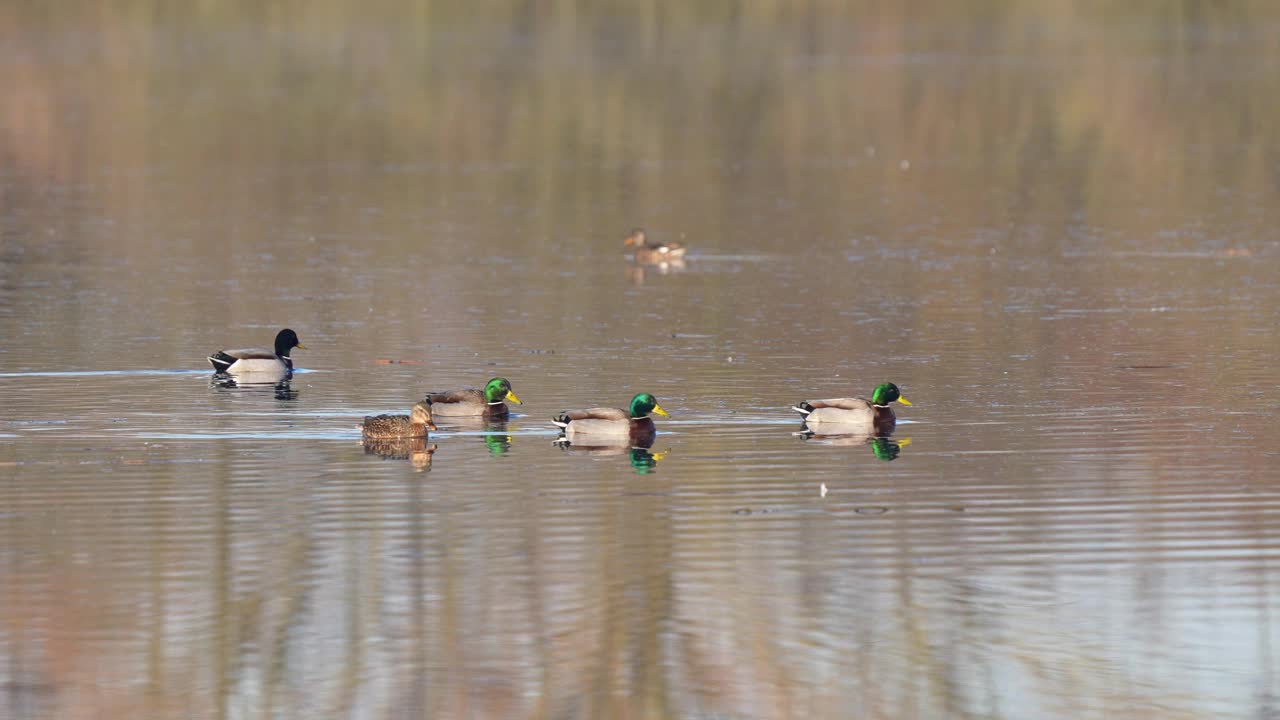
{"x":1054,"y":228}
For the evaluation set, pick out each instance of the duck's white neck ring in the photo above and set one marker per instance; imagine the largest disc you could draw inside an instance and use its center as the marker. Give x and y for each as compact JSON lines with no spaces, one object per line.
{"x":496,"y":402}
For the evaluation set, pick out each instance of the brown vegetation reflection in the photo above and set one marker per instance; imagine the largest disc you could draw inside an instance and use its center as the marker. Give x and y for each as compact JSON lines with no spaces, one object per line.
{"x":575,"y":101}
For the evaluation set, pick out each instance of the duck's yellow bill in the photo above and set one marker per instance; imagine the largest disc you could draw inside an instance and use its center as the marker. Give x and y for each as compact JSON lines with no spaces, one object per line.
{"x":658,"y":409}
{"x":903,"y":442}
{"x":300,"y":346}
{"x":903,"y":400}
{"x":512,"y":397}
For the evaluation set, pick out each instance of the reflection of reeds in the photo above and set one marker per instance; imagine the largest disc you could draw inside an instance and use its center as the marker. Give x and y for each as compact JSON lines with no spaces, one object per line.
{"x":634,"y":596}
{"x":781,"y":85}
{"x":1012,"y":117}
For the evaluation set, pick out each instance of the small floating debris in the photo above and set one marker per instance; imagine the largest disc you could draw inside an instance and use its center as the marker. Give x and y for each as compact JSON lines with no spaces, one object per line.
{"x":384,"y":361}
{"x":871,"y":510}
{"x":750,"y":511}
{"x":822,"y":490}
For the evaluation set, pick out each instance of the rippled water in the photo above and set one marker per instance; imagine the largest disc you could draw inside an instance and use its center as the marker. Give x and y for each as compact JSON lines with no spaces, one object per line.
{"x":1076,"y":518}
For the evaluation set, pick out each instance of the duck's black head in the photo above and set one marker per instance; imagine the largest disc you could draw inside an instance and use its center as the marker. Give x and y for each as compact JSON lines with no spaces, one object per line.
{"x":287,"y":340}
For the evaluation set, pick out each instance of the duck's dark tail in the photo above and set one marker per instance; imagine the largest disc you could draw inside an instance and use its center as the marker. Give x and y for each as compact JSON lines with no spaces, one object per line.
{"x":561,"y":420}
{"x":221,"y":361}
{"x":804,"y":408}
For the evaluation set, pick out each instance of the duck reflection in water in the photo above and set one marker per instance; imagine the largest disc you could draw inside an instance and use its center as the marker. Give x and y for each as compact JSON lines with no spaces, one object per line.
{"x":641,"y":458}
{"x":417,"y":451}
{"x":882,"y":447}
{"x":493,"y":431}
{"x":498,"y":443}
{"x":245,"y":383}
{"x":636,"y":273}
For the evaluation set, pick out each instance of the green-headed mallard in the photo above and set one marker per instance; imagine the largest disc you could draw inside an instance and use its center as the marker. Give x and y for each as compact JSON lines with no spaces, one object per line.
{"x":393,"y":427}
{"x":870,"y":416}
{"x":471,"y":402}
{"x":648,"y":252}
{"x":258,"y":360}
{"x":600,"y":425}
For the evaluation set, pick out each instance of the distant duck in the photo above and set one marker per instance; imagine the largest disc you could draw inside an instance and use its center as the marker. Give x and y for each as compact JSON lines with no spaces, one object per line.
{"x":855,"y":414}
{"x":395,"y":427}
{"x":488,"y":403}
{"x":648,"y":252}
{"x":258,"y":360}
{"x":608,"y":426}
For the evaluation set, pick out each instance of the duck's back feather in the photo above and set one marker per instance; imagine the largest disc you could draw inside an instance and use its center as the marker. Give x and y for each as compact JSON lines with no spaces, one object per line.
{"x":655,"y":254}
{"x":391,"y":427}
{"x":255,"y":353}
{"x":854,"y":403}
{"x":456,"y":396}
{"x":469,"y":402}
{"x":242,"y":360}
{"x":606,"y":422}
{"x":607,"y":414}
{"x":849,"y":412}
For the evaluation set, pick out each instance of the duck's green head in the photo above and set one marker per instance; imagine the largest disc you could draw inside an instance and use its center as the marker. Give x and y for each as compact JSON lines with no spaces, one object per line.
{"x":287,"y":340}
{"x":886,"y":393}
{"x":499,"y":389}
{"x":643,"y":404}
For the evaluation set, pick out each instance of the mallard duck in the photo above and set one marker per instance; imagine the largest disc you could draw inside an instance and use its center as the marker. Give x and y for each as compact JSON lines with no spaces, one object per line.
{"x":600,"y":425}
{"x":472,"y":402}
{"x":649,"y":252}
{"x":857,"y":414}
{"x":258,"y":360}
{"x":392,"y":427}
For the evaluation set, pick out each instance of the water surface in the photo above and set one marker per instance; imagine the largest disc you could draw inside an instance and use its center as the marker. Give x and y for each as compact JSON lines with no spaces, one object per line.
{"x":1055,"y":230}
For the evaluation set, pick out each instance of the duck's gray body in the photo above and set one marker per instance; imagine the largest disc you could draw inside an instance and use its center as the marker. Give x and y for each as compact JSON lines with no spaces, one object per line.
{"x":609,"y":425}
{"x":852,"y":414}
{"x":256,"y":360}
